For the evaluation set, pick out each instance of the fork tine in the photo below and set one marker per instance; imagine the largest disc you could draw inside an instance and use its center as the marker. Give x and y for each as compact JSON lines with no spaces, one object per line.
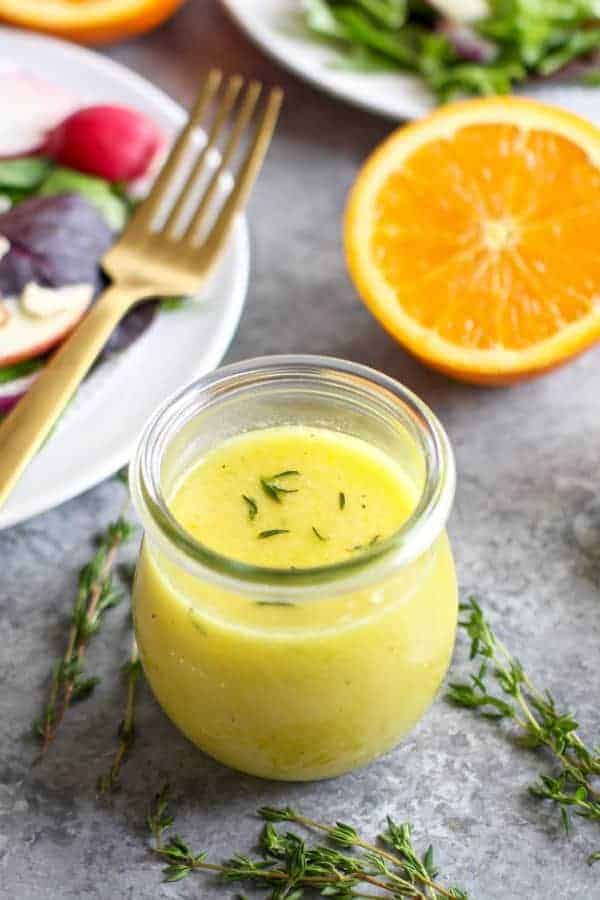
{"x":146,"y":211}
{"x":244,"y":179}
{"x":234,"y":86}
{"x":239,"y":127}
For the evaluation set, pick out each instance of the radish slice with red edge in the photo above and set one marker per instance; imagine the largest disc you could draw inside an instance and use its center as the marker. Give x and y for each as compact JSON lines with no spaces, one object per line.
{"x":30,"y":108}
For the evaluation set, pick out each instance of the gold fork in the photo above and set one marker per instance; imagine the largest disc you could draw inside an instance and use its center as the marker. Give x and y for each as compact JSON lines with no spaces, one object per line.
{"x":150,"y":259}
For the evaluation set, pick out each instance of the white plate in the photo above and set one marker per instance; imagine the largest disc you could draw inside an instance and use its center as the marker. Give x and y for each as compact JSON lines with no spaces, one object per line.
{"x":97,"y":433}
{"x":276,"y":26}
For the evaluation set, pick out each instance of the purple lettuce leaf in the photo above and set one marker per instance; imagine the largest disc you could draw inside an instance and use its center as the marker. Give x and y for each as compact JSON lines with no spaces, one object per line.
{"x":131,"y":327}
{"x":54,"y":241}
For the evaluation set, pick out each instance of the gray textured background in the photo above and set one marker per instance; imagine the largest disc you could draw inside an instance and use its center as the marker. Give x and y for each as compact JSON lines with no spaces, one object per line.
{"x":525,"y":529}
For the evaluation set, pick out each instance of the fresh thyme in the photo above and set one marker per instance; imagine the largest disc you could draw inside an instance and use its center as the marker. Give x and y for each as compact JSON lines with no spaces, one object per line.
{"x":318,"y":534}
{"x":541,"y":724}
{"x":132,"y":671}
{"x":252,"y":507}
{"x":96,"y":594}
{"x":341,"y":500}
{"x":271,"y":532}
{"x":287,"y":864}
{"x":371,"y":543}
{"x":274,"y":490}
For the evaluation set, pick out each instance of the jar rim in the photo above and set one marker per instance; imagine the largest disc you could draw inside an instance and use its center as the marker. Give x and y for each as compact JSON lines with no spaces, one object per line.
{"x":408,"y":542}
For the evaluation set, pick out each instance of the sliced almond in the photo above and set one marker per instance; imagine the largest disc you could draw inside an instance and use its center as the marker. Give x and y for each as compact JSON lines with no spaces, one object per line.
{"x":43,"y":302}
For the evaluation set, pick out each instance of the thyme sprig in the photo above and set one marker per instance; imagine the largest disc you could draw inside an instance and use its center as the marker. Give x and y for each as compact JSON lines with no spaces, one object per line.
{"x":274,"y":490}
{"x":542,"y":725}
{"x":97,"y":593}
{"x":132,"y":671}
{"x":287,"y":865}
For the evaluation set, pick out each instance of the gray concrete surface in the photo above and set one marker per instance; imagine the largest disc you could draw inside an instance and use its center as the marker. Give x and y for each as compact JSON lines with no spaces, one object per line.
{"x":525,"y":530}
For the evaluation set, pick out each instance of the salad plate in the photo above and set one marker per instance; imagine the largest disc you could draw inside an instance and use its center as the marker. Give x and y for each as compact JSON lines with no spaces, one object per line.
{"x":278,"y":28}
{"x":97,"y":433}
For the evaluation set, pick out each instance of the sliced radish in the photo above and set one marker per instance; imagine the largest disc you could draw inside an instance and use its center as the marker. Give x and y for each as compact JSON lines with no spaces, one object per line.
{"x":12,"y":391}
{"x":30,"y":108}
{"x":23,"y":336}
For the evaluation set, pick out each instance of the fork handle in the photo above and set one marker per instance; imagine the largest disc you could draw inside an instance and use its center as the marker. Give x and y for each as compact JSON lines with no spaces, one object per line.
{"x":26,"y":427}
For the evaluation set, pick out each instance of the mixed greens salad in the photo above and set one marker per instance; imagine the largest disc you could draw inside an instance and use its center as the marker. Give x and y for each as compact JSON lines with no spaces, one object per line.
{"x":59,"y":223}
{"x":464,"y":47}
{"x":63,"y":202}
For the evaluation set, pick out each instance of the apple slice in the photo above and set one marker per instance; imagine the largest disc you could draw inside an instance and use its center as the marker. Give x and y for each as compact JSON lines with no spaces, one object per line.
{"x":23,"y":336}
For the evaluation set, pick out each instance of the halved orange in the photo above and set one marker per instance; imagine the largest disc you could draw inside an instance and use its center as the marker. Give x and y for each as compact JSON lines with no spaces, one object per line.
{"x":473,"y":235}
{"x":88,"y":21}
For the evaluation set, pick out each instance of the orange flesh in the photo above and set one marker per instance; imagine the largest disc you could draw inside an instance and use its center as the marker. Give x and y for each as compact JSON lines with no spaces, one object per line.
{"x":89,"y":21}
{"x":489,"y":238}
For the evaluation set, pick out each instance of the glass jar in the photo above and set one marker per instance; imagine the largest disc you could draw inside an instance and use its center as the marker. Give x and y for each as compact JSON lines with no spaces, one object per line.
{"x":295,"y":674}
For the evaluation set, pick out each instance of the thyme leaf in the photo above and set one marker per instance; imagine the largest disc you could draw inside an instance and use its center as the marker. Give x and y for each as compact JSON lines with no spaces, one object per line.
{"x":341,"y":500}
{"x":500,"y":689}
{"x":273,"y":490}
{"x":271,"y":532}
{"x":252,"y":507}
{"x":318,"y":534}
{"x":371,"y":543}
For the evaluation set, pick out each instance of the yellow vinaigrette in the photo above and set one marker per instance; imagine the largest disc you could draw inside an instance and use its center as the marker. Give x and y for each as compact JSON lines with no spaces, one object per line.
{"x":328,"y":494}
{"x":313,"y":688}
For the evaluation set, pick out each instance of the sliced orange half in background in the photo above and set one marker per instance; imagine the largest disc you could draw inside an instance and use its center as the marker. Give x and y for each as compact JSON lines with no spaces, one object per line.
{"x":88,"y":21}
{"x":474,"y":237}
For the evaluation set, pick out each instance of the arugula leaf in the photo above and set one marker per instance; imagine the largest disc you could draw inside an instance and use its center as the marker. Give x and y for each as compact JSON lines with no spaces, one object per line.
{"x":20,"y":369}
{"x":98,"y":191}
{"x":24,"y":174}
{"x":321,"y":20}
{"x":530,"y":38}
{"x":391,"y":13}
{"x":530,"y":29}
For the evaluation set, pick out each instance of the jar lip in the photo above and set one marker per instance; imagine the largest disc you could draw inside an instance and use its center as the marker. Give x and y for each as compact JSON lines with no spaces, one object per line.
{"x":413,"y":537}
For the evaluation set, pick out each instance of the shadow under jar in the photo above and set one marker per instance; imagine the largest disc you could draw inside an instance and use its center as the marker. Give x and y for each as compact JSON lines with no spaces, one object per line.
{"x":306,"y":672}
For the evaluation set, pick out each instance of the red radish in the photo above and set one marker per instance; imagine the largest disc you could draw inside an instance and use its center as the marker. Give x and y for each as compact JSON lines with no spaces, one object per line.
{"x":112,"y":142}
{"x":12,"y":391}
{"x":30,"y":107}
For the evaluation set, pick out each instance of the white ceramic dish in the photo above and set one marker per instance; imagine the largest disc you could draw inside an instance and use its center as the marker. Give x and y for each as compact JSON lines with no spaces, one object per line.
{"x":275,"y":25}
{"x":99,"y":429}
